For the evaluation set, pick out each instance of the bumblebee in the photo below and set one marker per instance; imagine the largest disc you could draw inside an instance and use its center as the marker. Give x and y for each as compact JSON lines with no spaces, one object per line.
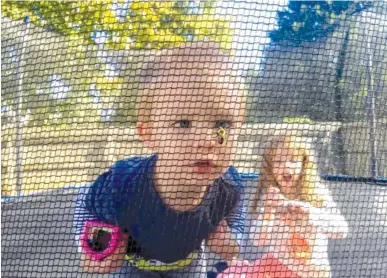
{"x":221,"y":135}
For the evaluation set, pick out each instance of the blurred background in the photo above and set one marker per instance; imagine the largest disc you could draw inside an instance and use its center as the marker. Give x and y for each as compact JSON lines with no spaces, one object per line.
{"x":69,"y":80}
{"x":316,"y":69}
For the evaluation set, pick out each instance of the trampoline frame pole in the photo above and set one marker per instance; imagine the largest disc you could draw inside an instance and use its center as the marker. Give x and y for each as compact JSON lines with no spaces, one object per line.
{"x":371,"y":112}
{"x":19,"y":112}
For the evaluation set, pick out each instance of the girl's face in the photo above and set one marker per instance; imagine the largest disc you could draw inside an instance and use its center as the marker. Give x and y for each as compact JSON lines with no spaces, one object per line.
{"x":287,"y":167}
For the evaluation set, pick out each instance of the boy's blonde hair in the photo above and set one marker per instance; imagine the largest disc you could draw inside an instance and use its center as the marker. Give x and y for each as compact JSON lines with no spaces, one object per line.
{"x":305,"y":189}
{"x":204,"y":58}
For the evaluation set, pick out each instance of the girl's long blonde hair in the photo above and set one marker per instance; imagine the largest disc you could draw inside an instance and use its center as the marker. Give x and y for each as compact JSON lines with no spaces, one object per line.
{"x":305,"y":189}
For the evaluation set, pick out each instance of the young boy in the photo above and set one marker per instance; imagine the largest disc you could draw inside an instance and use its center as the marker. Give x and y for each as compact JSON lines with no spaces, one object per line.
{"x":161,"y":209}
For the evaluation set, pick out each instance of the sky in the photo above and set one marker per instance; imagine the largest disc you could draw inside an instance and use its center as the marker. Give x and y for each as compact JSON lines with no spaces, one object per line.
{"x":253,"y":19}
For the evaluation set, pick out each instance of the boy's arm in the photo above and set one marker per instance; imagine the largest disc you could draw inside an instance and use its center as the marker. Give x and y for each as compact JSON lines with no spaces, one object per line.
{"x":226,"y":239}
{"x":110,"y":263}
{"x":236,"y":221}
{"x":81,"y":215}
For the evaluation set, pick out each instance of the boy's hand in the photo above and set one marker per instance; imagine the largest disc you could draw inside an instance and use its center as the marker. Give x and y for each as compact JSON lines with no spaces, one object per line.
{"x":110,"y":263}
{"x":217,"y":237}
{"x":220,"y":241}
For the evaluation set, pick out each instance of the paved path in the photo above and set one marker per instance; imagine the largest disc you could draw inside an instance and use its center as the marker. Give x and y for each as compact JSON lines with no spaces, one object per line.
{"x":36,"y":234}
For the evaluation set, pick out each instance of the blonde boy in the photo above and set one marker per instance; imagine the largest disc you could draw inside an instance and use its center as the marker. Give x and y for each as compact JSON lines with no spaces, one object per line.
{"x":167,"y":205}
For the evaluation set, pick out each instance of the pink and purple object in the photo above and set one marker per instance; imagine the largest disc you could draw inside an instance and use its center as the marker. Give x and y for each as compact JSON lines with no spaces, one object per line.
{"x":90,"y":228}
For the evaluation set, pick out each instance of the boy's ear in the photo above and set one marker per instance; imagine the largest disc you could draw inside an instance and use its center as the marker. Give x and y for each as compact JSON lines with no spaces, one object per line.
{"x":144,"y":131}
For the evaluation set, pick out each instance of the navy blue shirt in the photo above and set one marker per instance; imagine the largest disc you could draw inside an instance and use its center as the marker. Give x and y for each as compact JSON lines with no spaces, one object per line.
{"x":125,"y":196}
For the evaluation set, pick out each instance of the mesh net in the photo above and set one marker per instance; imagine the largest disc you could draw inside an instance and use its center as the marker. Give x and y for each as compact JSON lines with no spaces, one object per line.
{"x":194,"y":138}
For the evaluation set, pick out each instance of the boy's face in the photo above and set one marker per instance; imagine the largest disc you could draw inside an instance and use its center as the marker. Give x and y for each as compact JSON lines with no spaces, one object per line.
{"x":185,"y":119}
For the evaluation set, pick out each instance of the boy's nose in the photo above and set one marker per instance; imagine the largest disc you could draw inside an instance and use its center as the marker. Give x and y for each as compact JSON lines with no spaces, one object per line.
{"x":207,"y":140}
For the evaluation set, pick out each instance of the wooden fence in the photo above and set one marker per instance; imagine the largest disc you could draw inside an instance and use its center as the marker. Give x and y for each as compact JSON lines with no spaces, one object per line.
{"x":60,"y":157}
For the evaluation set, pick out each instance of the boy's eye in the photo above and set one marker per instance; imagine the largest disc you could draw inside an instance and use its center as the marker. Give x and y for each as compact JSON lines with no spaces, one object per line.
{"x":183,"y":124}
{"x":222,"y":124}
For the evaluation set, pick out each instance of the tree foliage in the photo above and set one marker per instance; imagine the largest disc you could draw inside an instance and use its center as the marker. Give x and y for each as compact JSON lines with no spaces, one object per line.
{"x":67,"y":77}
{"x":308,"y":21}
{"x":138,"y":25}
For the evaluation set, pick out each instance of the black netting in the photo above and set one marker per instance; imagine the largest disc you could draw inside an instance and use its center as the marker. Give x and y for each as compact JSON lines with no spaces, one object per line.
{"x":194,"y":138}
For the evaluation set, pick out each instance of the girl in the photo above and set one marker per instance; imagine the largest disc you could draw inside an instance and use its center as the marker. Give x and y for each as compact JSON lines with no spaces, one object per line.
{"x":293,"y":215}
